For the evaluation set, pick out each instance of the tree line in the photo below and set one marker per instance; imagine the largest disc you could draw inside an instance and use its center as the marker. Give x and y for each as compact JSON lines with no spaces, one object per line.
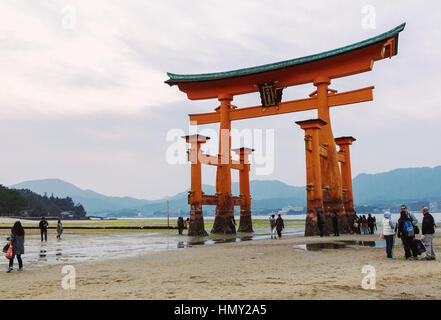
{"x":27,"y":203}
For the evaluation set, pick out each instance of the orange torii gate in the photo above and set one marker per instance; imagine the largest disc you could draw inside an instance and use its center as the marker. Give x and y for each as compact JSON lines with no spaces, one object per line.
{"x":328,"y":171}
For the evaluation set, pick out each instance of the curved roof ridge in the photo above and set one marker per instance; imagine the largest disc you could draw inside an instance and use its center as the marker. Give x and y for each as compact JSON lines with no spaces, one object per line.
{"x":175,"y":78}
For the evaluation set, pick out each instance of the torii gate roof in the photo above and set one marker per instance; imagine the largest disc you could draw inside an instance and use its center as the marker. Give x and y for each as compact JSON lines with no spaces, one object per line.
{"x":351,"y":59}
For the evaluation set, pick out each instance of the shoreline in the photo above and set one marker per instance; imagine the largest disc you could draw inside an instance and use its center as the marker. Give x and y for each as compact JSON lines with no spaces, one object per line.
{"x":258,"y":269}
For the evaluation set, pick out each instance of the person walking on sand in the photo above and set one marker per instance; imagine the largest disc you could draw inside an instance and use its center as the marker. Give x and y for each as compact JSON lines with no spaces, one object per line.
{"x":272,"y":222}
{"x":388,"y":233}
{"x":405,"y":231}
{"x":354,"y":223}
{"x":358,"y":224}
{"x":43,"y":228}
{"x":180,"y":225}
{"x":320,"y":223}
{"x":370,"y":222}
{"x":17,"y":240}
{"x":428,"y":231}
{"x":364,"y":224}
{"x":280,"y":225}
{"x":59,"y":229}
{"x":187,"y":223}
{"x":335,"y":224}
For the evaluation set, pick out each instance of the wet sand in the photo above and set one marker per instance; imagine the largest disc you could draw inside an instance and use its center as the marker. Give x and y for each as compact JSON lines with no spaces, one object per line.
{"x":258,"y":269}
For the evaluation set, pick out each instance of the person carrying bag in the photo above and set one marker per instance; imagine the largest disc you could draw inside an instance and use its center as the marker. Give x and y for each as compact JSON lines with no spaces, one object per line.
{"x":16,"y":246}
{"x":8,"y":249}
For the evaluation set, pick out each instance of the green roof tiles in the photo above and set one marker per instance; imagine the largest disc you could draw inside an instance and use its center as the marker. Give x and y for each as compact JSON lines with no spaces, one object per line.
{"x":177,"y":78}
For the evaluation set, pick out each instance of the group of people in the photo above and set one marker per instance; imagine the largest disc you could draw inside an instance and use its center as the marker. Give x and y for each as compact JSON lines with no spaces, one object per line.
{"x":183,"y":224}
{"x":276,"y":225}
{"x":186,"y":224}
{"x":406,"y":229}
{"x":43,"y":225}
{"x":321,"y":223}
{"x":17,"y":238}
{"x":365,"y":225}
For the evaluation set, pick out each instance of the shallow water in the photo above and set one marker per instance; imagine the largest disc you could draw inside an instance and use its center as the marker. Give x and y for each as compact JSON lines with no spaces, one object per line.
{"x":339,"y":245}
{"x":100,"y":246}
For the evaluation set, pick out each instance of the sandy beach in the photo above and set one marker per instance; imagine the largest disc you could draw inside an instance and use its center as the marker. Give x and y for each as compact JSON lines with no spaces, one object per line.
{"x":258,"y":269}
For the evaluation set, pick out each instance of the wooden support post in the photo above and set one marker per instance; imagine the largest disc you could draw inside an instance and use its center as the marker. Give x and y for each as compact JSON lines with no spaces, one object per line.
{"x":196,"y":227}
{"x":314,"y":193}
{"x":333,"y":198}
{"x":346,"y":175}
{"x":223,"y":222}
{"x":245,"y":224}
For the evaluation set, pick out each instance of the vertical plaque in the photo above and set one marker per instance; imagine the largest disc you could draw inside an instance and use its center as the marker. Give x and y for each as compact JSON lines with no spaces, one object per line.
{"x":268,"y":94}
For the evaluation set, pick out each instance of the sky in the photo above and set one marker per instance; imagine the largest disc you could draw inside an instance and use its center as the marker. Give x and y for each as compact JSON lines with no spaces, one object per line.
{"x":83,"y":98}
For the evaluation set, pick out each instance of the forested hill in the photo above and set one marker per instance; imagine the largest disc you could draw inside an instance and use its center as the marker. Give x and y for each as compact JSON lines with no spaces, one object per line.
{"x":27,"y":203}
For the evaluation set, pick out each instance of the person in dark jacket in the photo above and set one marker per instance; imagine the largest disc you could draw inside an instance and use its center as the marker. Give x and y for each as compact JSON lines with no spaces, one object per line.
{"x":180,"y":224}
{"x":43,"y":228}
{"x":17,"y":237}
{"x":280,"y":225}
{"x":428,"y":231}
{"x":320,"y":223}
{"x":409,"y":244}
{"x":370,"y":221}
{"x":335,"y":224}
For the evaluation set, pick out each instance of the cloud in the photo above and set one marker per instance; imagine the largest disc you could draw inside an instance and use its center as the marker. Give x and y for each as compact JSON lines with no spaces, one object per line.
{"x":89,"y":104}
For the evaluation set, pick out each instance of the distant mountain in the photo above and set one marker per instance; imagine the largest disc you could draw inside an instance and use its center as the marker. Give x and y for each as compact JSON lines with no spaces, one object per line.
{"x":402,"y":185}
{"x":260,"y":190}
{"x":265,"y":193}
{"x":91,"y":201}
{"x":409,"y":184}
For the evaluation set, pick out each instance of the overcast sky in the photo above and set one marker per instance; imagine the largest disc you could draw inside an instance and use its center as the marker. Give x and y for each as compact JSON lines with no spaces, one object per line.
{"x":83,"y":99}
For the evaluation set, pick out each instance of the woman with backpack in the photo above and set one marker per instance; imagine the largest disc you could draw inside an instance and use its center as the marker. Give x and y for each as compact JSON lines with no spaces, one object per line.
{"x":407,"y":234}
{"x":17,"y":241}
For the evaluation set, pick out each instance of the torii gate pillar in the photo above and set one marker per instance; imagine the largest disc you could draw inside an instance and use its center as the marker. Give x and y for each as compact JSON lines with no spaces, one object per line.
{"x":314,"y":192}
{"x":331,"y":178}
{"x":196,"y":227}
{"x":346,"y":177}
{"x":245,"y":224}
{"x":223,"y":222}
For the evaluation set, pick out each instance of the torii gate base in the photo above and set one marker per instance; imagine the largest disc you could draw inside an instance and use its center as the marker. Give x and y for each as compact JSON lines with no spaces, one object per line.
{"x":224,"y":221}
{"x":318,"y":197}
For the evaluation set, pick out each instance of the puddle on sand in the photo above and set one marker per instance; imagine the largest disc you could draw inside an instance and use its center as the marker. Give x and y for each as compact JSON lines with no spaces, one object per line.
{"x":339,"y":245}
{"x":209,"y":240}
